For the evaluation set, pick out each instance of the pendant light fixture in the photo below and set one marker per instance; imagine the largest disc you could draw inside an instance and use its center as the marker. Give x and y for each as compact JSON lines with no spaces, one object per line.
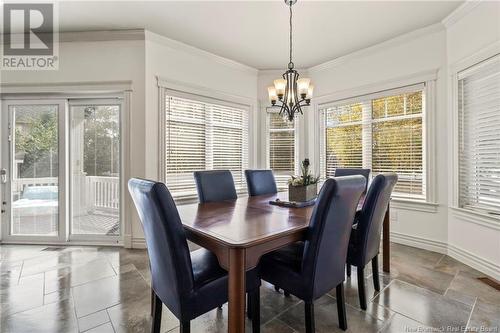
{"x":290,"y":93}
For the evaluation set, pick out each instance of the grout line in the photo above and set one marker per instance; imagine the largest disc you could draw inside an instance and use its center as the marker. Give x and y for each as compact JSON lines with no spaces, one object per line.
{"x":281,"y":321}
{"x":440,"y":259}
{"x":20,"y":273}
{"x":110,"y":321}
{"x":282,"y":312}
{"x":454,"y":277}
{"x":470,"y":315}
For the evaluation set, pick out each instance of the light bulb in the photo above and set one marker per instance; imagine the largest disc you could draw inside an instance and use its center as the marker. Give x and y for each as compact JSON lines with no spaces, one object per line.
{"x":280,"y":85}
{"x":272,"y":94}
{"x":303,"y":86}
{"x":310,"y":90}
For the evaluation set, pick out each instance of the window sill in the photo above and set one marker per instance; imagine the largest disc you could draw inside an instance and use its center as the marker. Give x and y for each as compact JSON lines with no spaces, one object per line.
{"x":476,"y":217}
{"x":416,"y":205}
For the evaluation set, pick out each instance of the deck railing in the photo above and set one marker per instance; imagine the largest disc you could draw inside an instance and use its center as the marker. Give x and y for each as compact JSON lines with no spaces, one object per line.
{"x":100,"y":192}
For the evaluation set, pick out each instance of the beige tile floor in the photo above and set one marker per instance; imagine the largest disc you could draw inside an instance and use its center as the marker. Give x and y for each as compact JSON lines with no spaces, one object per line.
{"x":97,"y":289}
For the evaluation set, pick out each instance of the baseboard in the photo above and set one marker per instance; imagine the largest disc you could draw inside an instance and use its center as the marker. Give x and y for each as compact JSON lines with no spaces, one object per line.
{"x":419,"y":242}
{"x":483,"y":265}
{"x":138,"y":243}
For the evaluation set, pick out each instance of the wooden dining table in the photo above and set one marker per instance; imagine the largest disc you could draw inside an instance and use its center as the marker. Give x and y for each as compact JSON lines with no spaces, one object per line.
{"x":240,"y":231}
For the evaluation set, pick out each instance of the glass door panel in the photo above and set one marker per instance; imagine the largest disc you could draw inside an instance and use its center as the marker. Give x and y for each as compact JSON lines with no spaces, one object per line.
{"x":34,"y":169}
{"x":95,"y":168}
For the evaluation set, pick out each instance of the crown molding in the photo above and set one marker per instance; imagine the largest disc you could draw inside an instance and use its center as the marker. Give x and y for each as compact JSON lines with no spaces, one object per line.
{"x":101,"y":35}
{"x":179,"y":46}
{"x":379,"y":47}
{"x":460,"y":12}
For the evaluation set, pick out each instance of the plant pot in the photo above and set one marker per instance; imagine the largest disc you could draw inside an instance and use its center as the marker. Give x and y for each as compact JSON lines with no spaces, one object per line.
{"x":302,"y":193}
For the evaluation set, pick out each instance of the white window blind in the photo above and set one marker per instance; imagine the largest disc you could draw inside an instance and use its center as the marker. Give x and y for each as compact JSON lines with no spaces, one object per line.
{"x":201,"y":134}
{"x":383,"y":132}
{"x":281,"y":147}
{"x":479,"y":137}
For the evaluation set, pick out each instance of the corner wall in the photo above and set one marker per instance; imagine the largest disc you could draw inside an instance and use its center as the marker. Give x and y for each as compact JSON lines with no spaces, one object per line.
{"x":472,"y":239}
{"x":420,"y":51}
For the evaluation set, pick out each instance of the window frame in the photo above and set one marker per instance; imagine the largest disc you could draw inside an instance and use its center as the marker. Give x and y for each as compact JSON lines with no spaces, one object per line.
{"x":429,"y":77}
{"x":459,"y":71}
{"x":268,"y":111}
{"x":203,"y":95}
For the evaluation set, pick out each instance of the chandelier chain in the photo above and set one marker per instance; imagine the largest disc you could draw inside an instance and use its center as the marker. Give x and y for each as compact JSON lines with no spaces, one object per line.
{"x":291,"y":63}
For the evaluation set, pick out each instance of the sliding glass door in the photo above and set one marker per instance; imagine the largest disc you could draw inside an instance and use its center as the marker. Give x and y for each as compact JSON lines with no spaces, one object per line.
{"x":60,"y":171}
{"x":95,"y":168}
{"x":33,"y":189}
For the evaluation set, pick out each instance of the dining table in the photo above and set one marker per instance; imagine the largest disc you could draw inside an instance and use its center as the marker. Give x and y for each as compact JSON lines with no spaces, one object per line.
{"x":239,"y":232}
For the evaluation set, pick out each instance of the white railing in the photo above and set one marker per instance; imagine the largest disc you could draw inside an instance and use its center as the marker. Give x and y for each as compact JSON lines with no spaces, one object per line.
{"x":100,"y":192}
{"x":103,"y":192}
{"x":19,"y":184}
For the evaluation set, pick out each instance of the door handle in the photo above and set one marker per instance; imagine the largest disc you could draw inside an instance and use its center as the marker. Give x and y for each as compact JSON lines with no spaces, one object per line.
{"x":3,"y":176}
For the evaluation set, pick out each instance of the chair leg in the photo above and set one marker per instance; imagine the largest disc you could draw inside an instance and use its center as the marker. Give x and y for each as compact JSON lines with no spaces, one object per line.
{"x":341,"y":306}
{"x":153,"y":296}
{"x":309,"y":308}
{"x":185,"y":326}
{"x":376,"y":281}
{"x":156,"y":323}
{"x":348,"y":270}
{"x":249,"y":306}
{"x":255,"y":305}
{"x":361,"y":288}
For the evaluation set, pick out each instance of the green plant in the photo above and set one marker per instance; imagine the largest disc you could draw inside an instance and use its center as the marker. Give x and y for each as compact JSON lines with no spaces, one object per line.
{"x":305,"y":178}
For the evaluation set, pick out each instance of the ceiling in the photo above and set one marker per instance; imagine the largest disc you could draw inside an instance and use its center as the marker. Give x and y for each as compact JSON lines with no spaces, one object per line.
{"x":255,"y":33}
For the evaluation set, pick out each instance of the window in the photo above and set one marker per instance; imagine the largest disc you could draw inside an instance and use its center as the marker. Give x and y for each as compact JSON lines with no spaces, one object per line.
{"x":281,"y":147}
{"x":383,"y":132}
{"x":479,"y":137}
{"x":202,"y":134}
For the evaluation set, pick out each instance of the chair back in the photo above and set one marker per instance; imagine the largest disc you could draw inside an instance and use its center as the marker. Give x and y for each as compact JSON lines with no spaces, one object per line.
{"x":170,"y":261}
{"x":371,"y":217}
{"x":341,"y":172}
{"x":215,"y":185}
{"x":260,"y":182}
{"x":325,"y":248}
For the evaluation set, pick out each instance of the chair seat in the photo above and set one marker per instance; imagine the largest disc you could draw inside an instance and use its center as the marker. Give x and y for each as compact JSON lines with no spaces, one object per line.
{"x":205,"y":267}
{"x":290,"y":255}
{"x":283,"y":269}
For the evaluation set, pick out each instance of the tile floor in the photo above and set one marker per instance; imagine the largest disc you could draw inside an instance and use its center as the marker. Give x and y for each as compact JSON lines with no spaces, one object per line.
{"x":97,"y":289}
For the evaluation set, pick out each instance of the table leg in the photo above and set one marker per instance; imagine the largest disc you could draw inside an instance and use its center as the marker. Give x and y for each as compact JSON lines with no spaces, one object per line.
{"x":236,"y":321}
{"x":386,"y":245}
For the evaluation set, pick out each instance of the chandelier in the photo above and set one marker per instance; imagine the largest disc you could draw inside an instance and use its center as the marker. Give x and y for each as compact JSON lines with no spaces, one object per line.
{"x":290,"y":93}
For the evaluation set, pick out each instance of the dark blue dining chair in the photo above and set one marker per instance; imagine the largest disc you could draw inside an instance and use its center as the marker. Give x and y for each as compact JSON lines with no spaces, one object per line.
{"x":311,"y":268}
{"x":215,"y":185}
{"x":341,"y":172}
{"x":189,"y":284}
{"x":364,"y":242}
{"x":260,"y":182}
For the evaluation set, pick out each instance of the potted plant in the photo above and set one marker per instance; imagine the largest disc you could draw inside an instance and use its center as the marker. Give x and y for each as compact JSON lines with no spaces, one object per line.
{"x":304,"y":187}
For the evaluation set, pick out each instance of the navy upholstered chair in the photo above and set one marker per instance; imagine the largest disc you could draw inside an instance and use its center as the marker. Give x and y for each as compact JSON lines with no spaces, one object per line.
{"x":215,"y":185}
{"x":189,"y":284}
{"x":260,"y":182}
{"x":364,"y":243}
{"x":311,"y":268}
{"x":341,"y":172}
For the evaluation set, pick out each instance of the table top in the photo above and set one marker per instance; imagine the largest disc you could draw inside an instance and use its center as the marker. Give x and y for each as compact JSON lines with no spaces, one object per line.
{"x":246,"y":221}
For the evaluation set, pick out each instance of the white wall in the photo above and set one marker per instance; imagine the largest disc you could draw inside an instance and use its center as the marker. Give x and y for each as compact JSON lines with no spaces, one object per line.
{"x":473,"y":240}
{"x":418,"y":52}
{"x":193,"y":69}
{"x":140,"y":62}
{"x":100,"y":62}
